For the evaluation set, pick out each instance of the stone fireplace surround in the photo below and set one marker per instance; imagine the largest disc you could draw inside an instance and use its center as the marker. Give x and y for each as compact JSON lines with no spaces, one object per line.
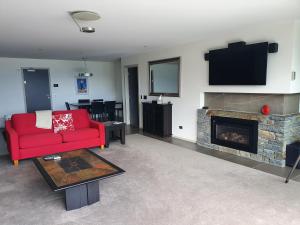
{"x":275,"y":131}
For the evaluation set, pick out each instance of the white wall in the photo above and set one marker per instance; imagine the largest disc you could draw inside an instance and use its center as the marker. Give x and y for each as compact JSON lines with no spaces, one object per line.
{"x":194,"y":71}
{"x":295,"y":84}
{"x":62,"y":72}
{"x":118,"y":80}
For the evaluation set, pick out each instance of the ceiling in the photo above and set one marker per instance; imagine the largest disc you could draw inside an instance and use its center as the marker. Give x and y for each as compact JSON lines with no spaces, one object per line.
{"x":44,"y":29}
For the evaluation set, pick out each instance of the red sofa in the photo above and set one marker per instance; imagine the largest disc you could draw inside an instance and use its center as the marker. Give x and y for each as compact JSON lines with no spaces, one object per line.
{"x":25,"y":140}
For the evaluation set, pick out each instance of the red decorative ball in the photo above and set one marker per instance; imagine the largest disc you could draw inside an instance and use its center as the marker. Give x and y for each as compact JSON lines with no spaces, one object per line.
{"x":265,"y":109}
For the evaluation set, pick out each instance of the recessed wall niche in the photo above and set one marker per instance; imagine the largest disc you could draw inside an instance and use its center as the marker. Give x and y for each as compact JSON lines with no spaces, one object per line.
{"x":279,"y":103}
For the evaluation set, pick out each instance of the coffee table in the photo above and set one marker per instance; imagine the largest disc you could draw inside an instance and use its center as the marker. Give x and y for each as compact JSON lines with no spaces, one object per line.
{"x":77,"y":174}
{"x":117,"y":129}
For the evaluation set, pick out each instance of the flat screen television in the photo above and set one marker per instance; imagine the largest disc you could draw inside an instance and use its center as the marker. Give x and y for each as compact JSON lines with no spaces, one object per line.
{"x":244,"y":65}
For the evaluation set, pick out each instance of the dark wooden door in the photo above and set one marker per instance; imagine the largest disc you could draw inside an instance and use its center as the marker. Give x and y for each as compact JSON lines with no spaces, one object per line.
{"x":133,"y":96}
{"x":37,"y":89}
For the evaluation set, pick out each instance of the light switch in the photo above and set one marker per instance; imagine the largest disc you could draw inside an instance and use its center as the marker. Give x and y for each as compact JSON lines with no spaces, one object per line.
{"x":293,"y":75}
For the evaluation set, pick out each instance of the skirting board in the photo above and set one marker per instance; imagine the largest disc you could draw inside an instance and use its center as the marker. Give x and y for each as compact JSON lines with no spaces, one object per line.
{"x":185,"y":139}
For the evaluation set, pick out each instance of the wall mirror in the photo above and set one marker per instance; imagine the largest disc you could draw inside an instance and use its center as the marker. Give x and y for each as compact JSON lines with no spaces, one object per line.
{"x":165,"y":77}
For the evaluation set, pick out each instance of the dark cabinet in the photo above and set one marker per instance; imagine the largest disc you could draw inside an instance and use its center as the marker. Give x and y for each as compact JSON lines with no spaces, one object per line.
{"x":157,"y":119}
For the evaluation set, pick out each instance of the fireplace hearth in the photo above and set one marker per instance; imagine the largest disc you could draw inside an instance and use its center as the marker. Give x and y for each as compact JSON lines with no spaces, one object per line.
{"x":235,"y":133}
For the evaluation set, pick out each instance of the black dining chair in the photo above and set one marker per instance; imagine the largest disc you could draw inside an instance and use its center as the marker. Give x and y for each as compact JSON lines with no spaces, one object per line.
{"x":68,"y":106}
{"x":98,"y":100}
{"x":84,"y":101}
{"x":97,"y":111}
{"x":119,"y":111}
{"x":87,"y":107}
{"x":109,"y":109}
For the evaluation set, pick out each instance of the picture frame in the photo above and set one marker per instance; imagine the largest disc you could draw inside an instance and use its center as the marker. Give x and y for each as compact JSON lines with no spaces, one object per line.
{"x":82,"y":87}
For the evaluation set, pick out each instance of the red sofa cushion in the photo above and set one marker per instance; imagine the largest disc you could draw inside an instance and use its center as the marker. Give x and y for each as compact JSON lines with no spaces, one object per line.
{"x":81,"y":134}
{"x":81,"y":117}
{"x":24,"y":123}
{"x":36,"y":140}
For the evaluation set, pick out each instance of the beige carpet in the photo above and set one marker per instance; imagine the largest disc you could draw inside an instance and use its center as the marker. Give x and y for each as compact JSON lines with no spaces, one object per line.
{"x":163,"y":184}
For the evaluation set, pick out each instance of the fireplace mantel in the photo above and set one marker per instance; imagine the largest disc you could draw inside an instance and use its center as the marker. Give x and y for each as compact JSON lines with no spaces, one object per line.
{"x":235,"y":114}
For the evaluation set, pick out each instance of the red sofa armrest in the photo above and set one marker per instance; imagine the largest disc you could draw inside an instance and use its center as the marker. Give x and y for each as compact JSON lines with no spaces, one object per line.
{"x":12,"y":140}
{"x":101,"y":129}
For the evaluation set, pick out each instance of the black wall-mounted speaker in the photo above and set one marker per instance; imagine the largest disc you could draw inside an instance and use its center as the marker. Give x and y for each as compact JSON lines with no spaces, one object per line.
{"x":273,"y":47}
{"x":206,"y":56}
{"x":236,"y":44}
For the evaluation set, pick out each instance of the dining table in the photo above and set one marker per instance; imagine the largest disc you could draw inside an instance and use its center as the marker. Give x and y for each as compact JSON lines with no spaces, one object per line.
{"x":118,"y":107}
{"x":77,"y":104}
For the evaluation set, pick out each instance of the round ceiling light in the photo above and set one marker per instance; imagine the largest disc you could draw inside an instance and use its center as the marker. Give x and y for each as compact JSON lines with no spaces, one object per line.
{"x":85,"y":15}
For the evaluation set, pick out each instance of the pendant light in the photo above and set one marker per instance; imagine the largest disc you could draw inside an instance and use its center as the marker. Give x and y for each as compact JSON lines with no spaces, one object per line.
{"x":85,"y":73}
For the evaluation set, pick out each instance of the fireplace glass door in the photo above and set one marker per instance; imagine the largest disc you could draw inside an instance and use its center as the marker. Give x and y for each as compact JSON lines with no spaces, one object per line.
{"x":232,"y":133}
{"x":235,"y":133}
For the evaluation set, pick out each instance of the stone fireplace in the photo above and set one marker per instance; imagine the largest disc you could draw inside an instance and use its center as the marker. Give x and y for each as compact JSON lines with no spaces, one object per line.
{"x":249,"y":134}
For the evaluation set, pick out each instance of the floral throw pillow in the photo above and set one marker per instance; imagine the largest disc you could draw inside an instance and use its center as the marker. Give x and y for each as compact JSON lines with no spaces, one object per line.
{"x":63,"y":122}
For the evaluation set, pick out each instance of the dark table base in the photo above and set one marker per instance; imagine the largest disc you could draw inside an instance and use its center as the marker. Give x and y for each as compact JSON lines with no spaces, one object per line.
{"x":114,"y":131}
{"x":82,"y":195}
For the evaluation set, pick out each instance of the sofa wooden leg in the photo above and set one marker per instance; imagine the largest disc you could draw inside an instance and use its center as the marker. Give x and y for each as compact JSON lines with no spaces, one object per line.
{"x":16,"y":162}
{"x":102,"y":147}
